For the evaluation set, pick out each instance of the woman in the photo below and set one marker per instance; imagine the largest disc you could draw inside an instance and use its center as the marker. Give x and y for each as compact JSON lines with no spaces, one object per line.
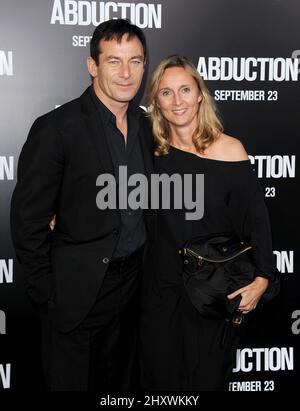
{"x":181,"y":349}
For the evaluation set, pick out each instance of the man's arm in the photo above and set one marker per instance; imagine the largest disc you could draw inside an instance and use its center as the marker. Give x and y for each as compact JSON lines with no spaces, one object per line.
{"x":33,"y":205}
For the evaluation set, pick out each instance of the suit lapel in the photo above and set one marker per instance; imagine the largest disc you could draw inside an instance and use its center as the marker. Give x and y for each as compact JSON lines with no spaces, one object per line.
{"x":96,"y":132}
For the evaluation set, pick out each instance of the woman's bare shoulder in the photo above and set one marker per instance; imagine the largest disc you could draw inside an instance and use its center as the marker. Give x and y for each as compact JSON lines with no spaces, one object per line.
{"x":229,"y":148}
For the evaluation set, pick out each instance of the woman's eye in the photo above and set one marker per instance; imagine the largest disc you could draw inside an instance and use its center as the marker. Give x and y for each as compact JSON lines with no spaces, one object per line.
{"x":166,"y":93}
{"x":186,"y":90}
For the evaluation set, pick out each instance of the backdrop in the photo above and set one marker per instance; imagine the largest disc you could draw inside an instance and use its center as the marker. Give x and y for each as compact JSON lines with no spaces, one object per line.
{"x":247,"y":52}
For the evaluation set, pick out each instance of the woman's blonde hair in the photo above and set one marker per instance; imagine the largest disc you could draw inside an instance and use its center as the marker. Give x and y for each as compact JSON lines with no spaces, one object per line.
{"x":208,"y":125}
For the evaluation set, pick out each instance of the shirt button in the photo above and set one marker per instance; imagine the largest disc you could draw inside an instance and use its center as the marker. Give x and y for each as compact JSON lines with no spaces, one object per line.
{"x":105,"y":260}
{"x":115,"y":231}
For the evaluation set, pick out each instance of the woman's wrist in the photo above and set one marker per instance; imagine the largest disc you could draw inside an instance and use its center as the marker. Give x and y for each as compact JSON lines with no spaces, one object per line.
{"x":261,"y":282}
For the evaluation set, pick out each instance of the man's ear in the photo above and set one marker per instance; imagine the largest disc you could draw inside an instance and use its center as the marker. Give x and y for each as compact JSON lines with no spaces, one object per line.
{"x":92,"y":66}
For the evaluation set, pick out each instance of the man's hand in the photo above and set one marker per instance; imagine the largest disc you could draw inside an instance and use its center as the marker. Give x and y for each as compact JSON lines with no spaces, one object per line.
{"x":250,"y":294}
{"x":52,"y":223}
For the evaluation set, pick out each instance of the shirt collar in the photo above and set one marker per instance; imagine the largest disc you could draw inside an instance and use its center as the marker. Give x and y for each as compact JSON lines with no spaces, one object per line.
{"x":133,"y":111}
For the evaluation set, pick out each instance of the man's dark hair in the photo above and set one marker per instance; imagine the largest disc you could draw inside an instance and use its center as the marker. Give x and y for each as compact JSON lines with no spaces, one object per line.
{"x":114,"y":30}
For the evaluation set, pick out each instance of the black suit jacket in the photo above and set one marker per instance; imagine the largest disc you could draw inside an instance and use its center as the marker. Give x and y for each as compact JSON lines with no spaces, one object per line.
{"x":65,"y":152}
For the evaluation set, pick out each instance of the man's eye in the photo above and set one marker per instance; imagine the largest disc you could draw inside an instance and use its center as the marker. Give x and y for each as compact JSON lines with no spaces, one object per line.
{"x":113,"y":61}
{"x":136,"y":62}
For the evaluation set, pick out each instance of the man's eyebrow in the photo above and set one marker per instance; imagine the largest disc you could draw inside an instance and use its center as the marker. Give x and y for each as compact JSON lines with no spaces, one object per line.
{"x":112,"y":57}
{"x":139,"y":56}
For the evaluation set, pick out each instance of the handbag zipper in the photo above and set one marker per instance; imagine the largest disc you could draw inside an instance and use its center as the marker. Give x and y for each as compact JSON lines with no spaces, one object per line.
{"x":200,"y":258}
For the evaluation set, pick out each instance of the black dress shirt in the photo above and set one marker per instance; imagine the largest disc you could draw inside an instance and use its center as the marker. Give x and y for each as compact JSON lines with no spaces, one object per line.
{"x":133,"y":231}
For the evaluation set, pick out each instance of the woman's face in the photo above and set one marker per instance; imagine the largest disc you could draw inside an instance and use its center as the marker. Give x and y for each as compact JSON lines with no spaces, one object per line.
{"x":178,"y":97}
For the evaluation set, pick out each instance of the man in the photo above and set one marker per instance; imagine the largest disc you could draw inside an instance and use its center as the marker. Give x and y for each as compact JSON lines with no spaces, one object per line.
{"x":83,"y":276}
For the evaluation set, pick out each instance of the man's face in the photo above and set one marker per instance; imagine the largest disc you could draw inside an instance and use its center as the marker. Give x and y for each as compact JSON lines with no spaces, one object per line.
{"x":119,"y":74}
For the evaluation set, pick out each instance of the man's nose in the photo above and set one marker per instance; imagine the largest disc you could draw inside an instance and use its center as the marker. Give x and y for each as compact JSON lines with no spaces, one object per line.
{"x":125,"y":70}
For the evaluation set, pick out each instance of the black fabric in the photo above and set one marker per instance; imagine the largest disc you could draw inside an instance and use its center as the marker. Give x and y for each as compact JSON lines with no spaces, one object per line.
{"x":100,"y":354}
{"x":180,"y":349}
{"x":65,"y":152}
{"x":129,"y":154}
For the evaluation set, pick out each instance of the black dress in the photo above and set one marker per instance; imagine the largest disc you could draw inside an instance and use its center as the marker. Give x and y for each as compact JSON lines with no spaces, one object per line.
{"x":181,"y":350}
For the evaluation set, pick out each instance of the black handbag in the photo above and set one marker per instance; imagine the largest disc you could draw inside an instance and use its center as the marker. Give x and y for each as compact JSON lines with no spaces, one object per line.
{"x":214,"y":267}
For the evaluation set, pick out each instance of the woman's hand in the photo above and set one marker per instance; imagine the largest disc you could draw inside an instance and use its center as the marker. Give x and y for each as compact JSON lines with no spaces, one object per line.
{"x":250,"y":294}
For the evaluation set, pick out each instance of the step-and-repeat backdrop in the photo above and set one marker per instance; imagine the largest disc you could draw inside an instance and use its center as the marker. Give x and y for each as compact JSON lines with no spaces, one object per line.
{"x":247,"y":52}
